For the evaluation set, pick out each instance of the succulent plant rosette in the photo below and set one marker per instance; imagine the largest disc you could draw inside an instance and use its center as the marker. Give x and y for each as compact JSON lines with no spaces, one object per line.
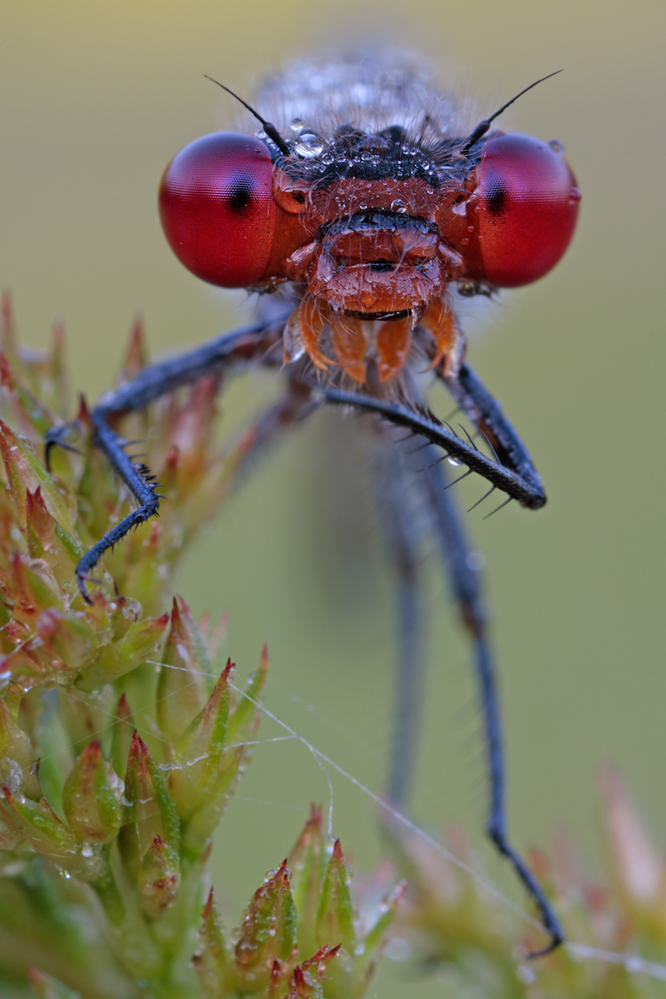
{"x":124,"y":733}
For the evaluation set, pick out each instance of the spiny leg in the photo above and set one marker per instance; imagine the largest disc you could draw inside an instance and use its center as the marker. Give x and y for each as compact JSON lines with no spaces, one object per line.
{"x":518,"y":480}
{"x":517,"y":477}
{"x":465,"y":583}
{"x":485,"y":412}
{"x":217,"y":356}
{"x":287,"y":411}
{"x":150,"y":383}
{"x":137,"y":478}
{"x":164,"y":376}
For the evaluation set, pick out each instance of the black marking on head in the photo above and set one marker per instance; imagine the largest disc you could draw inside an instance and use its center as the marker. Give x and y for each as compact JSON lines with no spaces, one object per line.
{"x":375,"y":156}
{"x":376,"y":218}
{"x":396,"y":133}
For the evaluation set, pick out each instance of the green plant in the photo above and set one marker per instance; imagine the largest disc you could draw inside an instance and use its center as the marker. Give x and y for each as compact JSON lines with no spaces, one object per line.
{"x":122,"y":737}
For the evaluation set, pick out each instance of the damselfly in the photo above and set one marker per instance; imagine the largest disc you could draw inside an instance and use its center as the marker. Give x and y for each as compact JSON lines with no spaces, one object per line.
{"x":360,"y":213}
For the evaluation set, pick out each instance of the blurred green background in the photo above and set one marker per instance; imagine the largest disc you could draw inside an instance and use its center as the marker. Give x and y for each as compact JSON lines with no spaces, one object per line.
{"x":94,"y":100}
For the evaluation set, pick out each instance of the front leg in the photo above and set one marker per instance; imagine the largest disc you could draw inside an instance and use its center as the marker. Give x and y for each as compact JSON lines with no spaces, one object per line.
{"x":155,"y":380}
{"x":137,"y":478}
{"x":484,"y":410}
{"x":518,"y":479}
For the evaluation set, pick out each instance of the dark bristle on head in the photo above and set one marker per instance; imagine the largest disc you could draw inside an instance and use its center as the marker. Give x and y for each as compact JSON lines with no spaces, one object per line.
{"x":484,"y":125}
{"x":270,"y":130}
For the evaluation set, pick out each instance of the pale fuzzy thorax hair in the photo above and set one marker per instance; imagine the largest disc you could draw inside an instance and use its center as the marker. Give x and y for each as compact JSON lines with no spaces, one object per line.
{"x":367,"y":90}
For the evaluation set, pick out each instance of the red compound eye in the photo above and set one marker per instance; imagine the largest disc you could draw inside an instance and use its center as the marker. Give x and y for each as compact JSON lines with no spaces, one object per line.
{"x":217,"y":209}
{"x":528,"y":204}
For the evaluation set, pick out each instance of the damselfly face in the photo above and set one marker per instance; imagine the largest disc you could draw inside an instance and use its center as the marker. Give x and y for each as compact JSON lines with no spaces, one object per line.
{"x":372,"y":200}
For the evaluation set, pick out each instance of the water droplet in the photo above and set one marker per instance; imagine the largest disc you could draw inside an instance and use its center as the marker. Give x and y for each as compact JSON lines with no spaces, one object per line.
{"x":399,"y":206}
{"x":14,"y":777}
{"x":363,"y":205}
{"x":453,"y":461}
{"x":556,"y":146}
{"x":87,"y":850}
{"x":308,"y":144}
{"x":296,"y":124}
{"x":464,"y":242}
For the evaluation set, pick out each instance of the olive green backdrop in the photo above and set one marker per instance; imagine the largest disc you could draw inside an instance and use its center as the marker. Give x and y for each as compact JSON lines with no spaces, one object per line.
{"x":94,"y":99}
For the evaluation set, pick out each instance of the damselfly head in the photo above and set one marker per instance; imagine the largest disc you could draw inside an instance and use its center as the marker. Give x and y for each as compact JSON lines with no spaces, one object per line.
{"x":373,"y":198}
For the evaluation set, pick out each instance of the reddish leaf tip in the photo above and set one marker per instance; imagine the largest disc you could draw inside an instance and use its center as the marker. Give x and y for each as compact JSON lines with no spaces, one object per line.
{"x":276,"y":973}
{"x":84,"y":412}
{"x":207,"y":910}
{"x":92,"y":752}
{"x":6,"y":372}
{"x":316,"y":815}
{"x":137,"y":745}
{"x":7,"y":308}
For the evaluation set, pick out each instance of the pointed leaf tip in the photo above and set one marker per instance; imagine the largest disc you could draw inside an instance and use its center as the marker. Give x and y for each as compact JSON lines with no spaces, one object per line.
{"x":123,"y":708}
{"x":84,"y":411}
{"x":137,"y":745}
{"x":268,"y":930}
{"x":6,"y":373}
{"x":92,"y":796}
{"x":210,"y":904}
{"x":159,"y":878}
{"x":135,"y":354}
{"x":150,"y":810}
